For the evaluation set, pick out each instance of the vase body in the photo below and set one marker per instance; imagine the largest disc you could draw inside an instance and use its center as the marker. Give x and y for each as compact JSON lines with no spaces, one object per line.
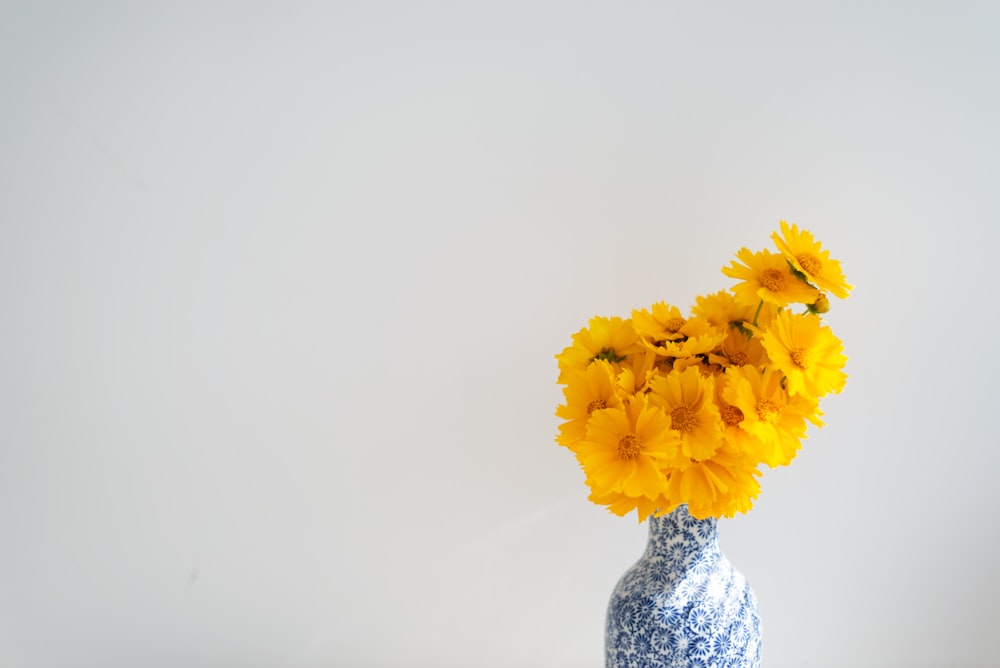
{"x":682,"y":605}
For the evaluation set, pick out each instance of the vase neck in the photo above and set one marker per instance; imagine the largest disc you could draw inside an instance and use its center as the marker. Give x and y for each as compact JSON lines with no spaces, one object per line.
{"x":679,"y":527}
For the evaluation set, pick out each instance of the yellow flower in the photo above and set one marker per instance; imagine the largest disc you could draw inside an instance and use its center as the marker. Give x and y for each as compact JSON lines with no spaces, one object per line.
{"x":774,"y":417}
{"x":586,"y":392}
{"x":738,"y":349}
{"x":623,"y":447}
{"x":807,"y":255}
{"x":718,"y":487}
{"x":807,"y":352}
{"x":662,"y":323}
{"x":696,"y":337}
{"x":766,"y":276}
{"x":721,"y":310}
{"x":637,"y":371}
{"x":732,"y":418}
{"x":687,"y":398}
{"x":610,"y":339}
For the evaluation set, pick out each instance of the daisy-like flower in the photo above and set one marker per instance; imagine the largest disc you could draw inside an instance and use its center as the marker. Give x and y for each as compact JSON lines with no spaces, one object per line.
{"x":807,"y":256}
{"x":721,"y":309}
{"x":775,"y":418}
{"x":587,"y":391}
{"x":808,"y":353}
{"x":662,"y":322}
{"x":695,"y":425}
{"x":637,"y":371}
{"x":718,"y":487}
{"x":766,"y":276}
{"x":609,"y":339}
{"x":732,"y":418}
{"x":623,"y":449}
{"x":697,"y":337}
{"x":738,"y":349}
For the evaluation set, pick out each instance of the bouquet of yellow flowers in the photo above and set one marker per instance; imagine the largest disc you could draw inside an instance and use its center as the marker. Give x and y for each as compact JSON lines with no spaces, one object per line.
{"x":662,"y":410}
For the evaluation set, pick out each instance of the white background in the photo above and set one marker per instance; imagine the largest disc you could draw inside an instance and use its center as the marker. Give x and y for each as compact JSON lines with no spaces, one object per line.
{"x":281,"y":286}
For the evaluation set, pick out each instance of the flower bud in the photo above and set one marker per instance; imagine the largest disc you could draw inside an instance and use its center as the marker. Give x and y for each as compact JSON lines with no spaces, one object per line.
{"x":821,"y":305}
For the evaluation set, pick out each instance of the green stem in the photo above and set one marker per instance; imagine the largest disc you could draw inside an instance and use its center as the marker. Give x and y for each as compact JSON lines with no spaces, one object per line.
{"x":755,"y":315}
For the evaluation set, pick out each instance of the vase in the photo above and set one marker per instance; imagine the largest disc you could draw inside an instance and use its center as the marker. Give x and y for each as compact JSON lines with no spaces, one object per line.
{"x":682,"y":604}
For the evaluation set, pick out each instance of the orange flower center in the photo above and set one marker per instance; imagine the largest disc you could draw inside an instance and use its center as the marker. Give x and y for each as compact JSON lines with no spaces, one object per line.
{"x":682,"y":418}
{"x":810,"y":264}
{"x":802,"y":357}
{"x":731,"y":415}
{"x":628,"y":446}
{"x":596,"y":405}
{"x":674,"y":325}
{"x":767,"y":410}
{"x":772,"y":279}
{"x":739,"y":358}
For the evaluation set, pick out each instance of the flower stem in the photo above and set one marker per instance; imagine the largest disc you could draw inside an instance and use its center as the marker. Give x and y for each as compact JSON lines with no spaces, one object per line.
{"x":755,"y":315}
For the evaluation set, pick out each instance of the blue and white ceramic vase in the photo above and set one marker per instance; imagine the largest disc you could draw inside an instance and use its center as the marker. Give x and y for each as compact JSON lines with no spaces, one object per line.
{"x":682,"y":605}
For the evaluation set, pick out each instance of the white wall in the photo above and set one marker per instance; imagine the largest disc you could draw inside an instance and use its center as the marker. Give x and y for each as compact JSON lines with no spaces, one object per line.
{"x":282,"y":284}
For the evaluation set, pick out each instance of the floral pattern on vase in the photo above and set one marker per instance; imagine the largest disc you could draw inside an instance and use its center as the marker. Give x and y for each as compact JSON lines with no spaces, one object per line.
{"x":683,"y":605}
